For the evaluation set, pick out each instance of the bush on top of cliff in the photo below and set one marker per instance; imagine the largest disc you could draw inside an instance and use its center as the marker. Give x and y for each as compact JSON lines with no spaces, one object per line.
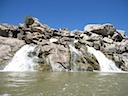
{"x":29,"y":20}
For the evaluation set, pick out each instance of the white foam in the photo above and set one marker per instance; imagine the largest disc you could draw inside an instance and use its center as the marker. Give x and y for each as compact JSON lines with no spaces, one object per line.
{"x":106,"y":65}
{"x":22,"y":61}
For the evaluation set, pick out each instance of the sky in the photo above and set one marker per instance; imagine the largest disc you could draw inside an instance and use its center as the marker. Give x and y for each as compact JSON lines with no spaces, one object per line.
{"x":71,"y":14}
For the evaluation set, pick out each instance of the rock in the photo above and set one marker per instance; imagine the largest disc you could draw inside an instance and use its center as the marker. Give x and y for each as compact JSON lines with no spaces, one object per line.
{"x":8,"y":47}
{"x":43,"y":42}
{"x":72,"y":35}
{"x":121,"y":32}
{"x":104,"y":29}
{"x":84,"y":37}
{"x":97,"y":45}
{"x":124,"y":60}
{"x":5,"y":29}
{"x":65,"y":34}
{"x":107,"y":40}
{"x":65,"y":41}
{"x":91,"y":44}
{"x":59,"y":58}
{"x":29,"y":37}
{"x":20,"y":36}
{"x":94,"y":37}
{"x":37,"y":36}
{"x":38,"y":29}
{"x":122,"y":47}
{"x":77,"y":61}
{"x":77,"y":32}
{"x":56,"y":33}
{"x":110,"y":48}
{"x":117,"y":37}
{"x":48,"y":32}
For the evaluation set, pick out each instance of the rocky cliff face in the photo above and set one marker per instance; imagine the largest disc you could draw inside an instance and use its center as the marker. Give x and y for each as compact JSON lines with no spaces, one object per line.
{"x":63,"y":50}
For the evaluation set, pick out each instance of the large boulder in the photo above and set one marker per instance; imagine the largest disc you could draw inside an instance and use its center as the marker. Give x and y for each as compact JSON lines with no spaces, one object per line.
{"x":102,"y":29}
{"x":56,"y":56}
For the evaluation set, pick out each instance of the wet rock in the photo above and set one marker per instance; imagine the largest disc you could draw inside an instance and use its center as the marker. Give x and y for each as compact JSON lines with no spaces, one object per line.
{"x":117,"y":59}
{"x":59,"y":59}
{"x":124,"y":60}
{"x":77,"y":61}
{"x":8,"y":47}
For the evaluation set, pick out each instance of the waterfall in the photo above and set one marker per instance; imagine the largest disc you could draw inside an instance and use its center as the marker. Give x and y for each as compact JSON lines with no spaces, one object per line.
{"x":76,"y":60}
{"x":73,"y":49}
{"x":25,"y":59}
{"x":105,"y":64}
{"x":74,"y":55}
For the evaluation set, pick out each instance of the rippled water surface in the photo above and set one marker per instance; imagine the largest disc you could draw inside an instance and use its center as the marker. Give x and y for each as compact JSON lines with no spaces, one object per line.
{"x":63,"y":84}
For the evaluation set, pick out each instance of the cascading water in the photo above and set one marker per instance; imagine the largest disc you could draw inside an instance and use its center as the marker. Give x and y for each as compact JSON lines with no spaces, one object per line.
{"x":25,"y":59}
{"x":105,"y":64}
{"x":74,"y":58}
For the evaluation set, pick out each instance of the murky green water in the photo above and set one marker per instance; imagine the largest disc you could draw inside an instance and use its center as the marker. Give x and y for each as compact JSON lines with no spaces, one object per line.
{"x":63,"y":84}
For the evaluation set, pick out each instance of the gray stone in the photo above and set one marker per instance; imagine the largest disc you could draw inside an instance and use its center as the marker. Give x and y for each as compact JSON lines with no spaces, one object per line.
{"x":8,"y":47}
{"x":5,"y":29}
{"x":110,"y":48}
{"x":117,"y":37}
{"x":59,"y":58}
{"x":103,"y":29}
{"x":38,"y":29}
{"x":94,"y":37}
{"x":107,"y":40}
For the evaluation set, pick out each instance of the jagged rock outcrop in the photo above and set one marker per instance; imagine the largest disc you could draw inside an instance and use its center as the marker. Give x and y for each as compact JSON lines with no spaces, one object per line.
{"x":64,"y":50}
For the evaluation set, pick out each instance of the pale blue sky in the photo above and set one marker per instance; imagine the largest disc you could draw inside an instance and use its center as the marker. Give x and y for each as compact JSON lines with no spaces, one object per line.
{"x":72,"y":14}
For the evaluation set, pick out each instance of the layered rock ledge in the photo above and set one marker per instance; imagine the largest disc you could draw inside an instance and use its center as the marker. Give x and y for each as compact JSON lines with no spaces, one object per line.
{"x":55,"y":45}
